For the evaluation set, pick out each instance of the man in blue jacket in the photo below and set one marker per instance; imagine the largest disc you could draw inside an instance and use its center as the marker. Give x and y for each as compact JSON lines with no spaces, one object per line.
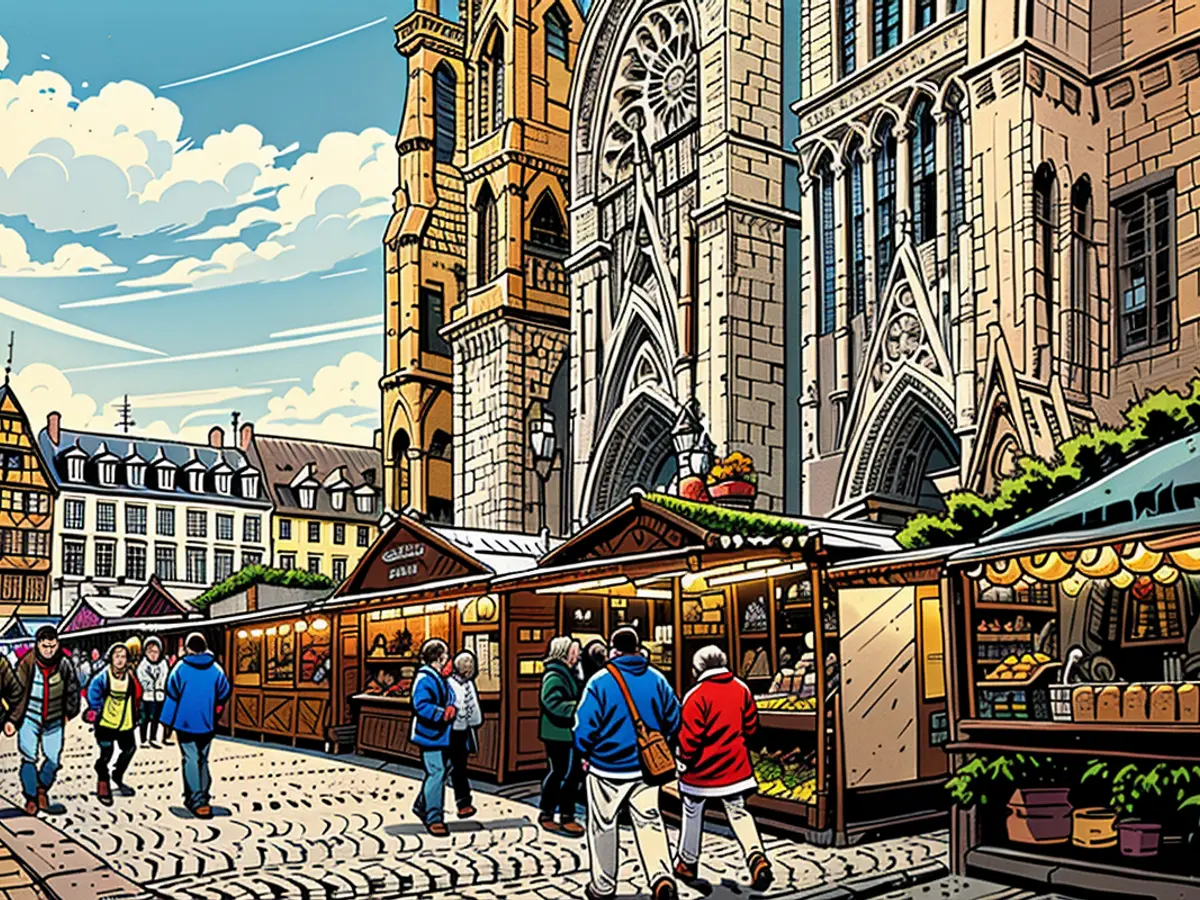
{"x":433,"y":711}
{"x":196,"y":690}
{"x":606,"y":738}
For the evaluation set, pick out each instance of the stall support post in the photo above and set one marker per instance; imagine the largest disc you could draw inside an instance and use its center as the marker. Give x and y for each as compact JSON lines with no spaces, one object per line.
{"x":677,"y":633}
{"x":772,"y":627}
{"x":822,"y":793}
{"x":508,"y":683}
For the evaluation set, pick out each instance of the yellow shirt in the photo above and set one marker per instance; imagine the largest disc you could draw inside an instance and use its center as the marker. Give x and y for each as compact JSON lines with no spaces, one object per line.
{"x":117,"y":713}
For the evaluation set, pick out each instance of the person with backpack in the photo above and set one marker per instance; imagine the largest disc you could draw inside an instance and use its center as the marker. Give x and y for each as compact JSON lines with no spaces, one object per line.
{"x":626,"y":718}
{"x":114,"y":705}
{"x":719,"y":715}
{"x":197,"y":689}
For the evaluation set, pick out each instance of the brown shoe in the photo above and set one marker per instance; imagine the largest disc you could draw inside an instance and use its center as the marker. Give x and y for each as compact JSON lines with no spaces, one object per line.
{"x":465,"y":812}
{"x":31,"y":806}
{"x":203,"y":812}
{"x":687,"y":871}
{"x":438,"y":829}
{"x":43,"y":800}
{"x":548,"y":824}
{"x":104,"y":792}
{"x":592,"y":895}
{"x":665,"y":889}
{"x":761,"y":875}
{"x":571,"y":828}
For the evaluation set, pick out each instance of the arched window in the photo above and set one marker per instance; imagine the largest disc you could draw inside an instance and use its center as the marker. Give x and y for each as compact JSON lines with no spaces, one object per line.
{"x":400,"y":445}
{"x":885,"y":201}
{"x":497,"y":86}
{"x":439,"y":445}
{"x":547,"y":233}
{"x":848,"y":16}
{"x":487,"y":236}
{"x":827,"y":248}
{"x":491,"y":84}
{"x":1044,"y":238}
{"x":445,"y":106}
{"x":484,"y":70}
{"x":887,"y":25}
{"x":1075,"y":328}
{"x":857,"y":235}
{"x":924,"y":172}
{"x":558,"y":31}
{"x":958,"y":176}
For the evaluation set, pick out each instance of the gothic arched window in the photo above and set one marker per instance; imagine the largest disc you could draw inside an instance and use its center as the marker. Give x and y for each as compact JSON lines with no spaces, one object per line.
{"x":827,"y":248}
{"x":885,"y":201}
{"x":445,"y":114}
{"x":487,"y":236}
{"x":958,"y":175}
{"x":857,"y":233}
{"x":497,"y":85}
{"x":1075,"y":337}
{"x":547,"y":233}
{"x":924,"y":172}
{"x":1044,"y":238}
{"x":558,"y":31}
{"x":491,"y":83}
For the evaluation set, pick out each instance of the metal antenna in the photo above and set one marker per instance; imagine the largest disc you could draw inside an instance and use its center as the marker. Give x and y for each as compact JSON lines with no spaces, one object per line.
{"x":125,"y":408}
{"x":12,"y":337}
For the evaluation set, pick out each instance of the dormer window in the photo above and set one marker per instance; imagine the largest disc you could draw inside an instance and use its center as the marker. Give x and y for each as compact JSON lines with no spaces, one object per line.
{"x":250,"y":485}
{"x":135,"y":474}
{"x":196,"y":482}
{"x":108,"y":473}
{"x":338,"y":498}
{"x":166,"y":479}
{"x":75,"y":468}
{"x":365,"y":504}
{"x":308,"y":498}
{"x":224,"y":483}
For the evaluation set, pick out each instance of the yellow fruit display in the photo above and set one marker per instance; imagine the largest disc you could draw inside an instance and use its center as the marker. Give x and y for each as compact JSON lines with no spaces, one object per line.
{"x":790,"y":703}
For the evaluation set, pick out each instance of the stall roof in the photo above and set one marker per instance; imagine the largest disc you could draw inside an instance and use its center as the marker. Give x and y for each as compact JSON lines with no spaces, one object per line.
{"x":650,"y":522}
{"x":503,"y":552}
{"x":1155,"y":493}
{"x":339,"y":601}
{"x":891,"y":560}
{"x":153,"y":600}
{"x":169,"y":624}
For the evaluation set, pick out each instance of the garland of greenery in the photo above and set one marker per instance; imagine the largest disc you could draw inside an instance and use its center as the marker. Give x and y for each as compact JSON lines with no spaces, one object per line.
{"x":1157,"y":419}
{"x":252,"y":575}
{"x":722,"y":520}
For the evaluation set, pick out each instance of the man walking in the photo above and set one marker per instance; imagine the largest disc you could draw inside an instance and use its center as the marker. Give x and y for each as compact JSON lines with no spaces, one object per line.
{"x":49,"y":699}
{"x":196,"y":690}
{"x":719,"y":714}
{"x":433,"y":712}
{"x":606,"y":736}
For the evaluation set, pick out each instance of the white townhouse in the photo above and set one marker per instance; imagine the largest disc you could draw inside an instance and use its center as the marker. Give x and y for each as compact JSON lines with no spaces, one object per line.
{"x":131,"y":507}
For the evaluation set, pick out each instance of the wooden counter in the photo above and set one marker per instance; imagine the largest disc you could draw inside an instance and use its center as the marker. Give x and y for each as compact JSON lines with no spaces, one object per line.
{"x":385,"y":723}
{"x":296,"y":714}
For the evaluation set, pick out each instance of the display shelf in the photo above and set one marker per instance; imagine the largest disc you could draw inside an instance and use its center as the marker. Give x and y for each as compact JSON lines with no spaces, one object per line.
{"x":1134,"y":739}
{"x":400,"y":660}
{"x":753,"y":635}
{"x":1001,"y":606}
{"x":797,"y":720}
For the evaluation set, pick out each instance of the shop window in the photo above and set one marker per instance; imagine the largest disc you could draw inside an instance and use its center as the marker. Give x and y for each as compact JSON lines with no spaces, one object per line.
{"x":887,"y":25}
{"x":280,"y":647}
{"x":558,"y":31}
{"x":445,"y":113}
{"x":433,"y":319}
{"x":135,"y":562}
{"x":74,"y":551}
{"x":135,"y":520}
{"x":106,"y":559}
{"x":486,"y":649}
{"x":885,"y":201}
{"x":315,"y":652}
{"x":849,"y":24}
{"x":857,"y":234}
{"x":827,"y":248}
{"x":247,"y":656}
{"x":1145,"y":270}
{"x":252,"y":529}
{"x":924,"y":172}
{"x":73,"y":514}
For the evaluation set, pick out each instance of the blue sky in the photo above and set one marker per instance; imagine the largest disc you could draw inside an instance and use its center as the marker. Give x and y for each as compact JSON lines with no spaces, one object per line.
{"x":241,"y":213}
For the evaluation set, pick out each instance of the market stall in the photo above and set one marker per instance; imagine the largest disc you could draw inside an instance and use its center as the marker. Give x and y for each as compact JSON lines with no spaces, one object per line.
{"x":685,"y":575}
{"x":1075,"y":688}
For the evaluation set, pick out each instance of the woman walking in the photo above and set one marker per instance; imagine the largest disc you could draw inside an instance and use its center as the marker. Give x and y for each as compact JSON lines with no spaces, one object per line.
{"x":463,"y":735}
{"x":558,"y":698}
{"x":152,"y":674}
{"x":114,"y":702}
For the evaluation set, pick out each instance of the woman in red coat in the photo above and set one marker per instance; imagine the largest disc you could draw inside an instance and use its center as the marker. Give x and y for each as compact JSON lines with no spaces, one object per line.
{"x":719,"y":714}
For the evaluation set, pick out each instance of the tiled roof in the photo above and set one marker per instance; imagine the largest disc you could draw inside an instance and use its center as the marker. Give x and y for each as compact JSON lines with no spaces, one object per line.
{"x":284,"y":460}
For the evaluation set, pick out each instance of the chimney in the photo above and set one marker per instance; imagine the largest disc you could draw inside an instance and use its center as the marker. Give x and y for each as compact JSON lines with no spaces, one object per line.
{"x":216,"y":437}
{"x":53,"y":426}
{"x":246,"y":435}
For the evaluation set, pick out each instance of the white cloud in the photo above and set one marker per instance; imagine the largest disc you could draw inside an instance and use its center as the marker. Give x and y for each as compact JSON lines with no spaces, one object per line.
{"x":343,"y":404}
{"x":41,"y":320}
{"x":156,"y":257}
{"x":69,"y":259}
{"x":3,"y":53}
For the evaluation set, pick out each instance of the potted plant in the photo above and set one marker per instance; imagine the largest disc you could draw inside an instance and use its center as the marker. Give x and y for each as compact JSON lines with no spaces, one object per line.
{"x":1029,"y":789}
{"x":1148,"y":798}
{"x":732,"y":481}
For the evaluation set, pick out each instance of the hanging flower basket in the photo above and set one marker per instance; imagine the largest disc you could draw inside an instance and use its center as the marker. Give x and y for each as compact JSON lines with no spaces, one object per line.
{"x":733,"y":482}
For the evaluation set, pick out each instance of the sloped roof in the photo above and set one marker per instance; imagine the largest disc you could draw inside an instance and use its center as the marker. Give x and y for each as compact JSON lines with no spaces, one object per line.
{"x":502,"y":551}
{"x":282,"y":458}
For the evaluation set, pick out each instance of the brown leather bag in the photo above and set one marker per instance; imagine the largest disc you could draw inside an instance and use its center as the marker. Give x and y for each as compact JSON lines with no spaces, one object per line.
{"x":654,"y":753}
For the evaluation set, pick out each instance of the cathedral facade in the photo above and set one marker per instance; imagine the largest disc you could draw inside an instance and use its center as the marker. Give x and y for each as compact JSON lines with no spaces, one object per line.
{"x":684,"y":242}
{"x":476,"y":289}
{"x":999,"y":235}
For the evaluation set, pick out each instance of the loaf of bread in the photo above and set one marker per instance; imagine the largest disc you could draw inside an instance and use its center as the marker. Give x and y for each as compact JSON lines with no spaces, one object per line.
{"x":1162,"y":703}
{"x":1135,"y":704}
{"x":1188,"y":696}
{"x":1108,"y":704}
{"x":1083,"y":704}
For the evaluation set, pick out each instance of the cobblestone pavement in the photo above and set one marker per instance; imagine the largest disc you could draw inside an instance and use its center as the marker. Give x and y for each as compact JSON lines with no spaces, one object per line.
{"x":301,"y":825}
{"x":16,"y":881}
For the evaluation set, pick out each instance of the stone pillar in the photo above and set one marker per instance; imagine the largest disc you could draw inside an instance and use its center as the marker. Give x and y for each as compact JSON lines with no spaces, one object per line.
{"x":872,"y":287}
{"x":903,"y":183}
{"x":809,"y":400}
{"x":841,"y":326}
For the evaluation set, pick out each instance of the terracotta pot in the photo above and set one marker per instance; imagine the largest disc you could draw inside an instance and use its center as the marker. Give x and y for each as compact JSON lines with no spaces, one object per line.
{"x":1094,"y":828}
{"x":1039,"y":816}
{"x":739,"y":494}
{"x":1139,"y":839}
{"x":693,"y":488}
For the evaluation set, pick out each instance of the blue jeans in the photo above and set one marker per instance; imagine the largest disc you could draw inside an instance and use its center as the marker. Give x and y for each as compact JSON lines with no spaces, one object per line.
{"x":433,"y":789}
{"x":196,"y":778}
{"x":32,"y":734}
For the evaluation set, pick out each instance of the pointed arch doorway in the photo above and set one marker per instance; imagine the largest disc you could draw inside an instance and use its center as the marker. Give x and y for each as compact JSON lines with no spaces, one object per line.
{"x":635,"y":451}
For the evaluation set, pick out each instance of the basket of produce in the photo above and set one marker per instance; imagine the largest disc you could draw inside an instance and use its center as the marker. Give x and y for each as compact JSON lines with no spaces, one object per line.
{"x":1019,"y":688}
{"x":785,"y":776}
{"x":785,"y":703}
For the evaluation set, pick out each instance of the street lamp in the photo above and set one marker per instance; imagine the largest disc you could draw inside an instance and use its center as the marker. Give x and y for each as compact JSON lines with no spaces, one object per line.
{"x":544,"y":443}
{"x":693,"y":447}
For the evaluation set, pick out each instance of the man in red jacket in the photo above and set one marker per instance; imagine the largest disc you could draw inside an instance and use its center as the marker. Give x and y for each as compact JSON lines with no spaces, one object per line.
{"x":719,"y":714}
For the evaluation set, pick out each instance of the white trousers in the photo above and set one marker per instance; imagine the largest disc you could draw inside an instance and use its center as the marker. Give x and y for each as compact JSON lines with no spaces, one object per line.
{"x":606,"y":797}
{"x":741,"y":822}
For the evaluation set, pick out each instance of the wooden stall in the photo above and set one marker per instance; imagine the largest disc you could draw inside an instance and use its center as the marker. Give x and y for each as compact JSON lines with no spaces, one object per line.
{"x":1075,"y":689}
{"x":686,"y":575}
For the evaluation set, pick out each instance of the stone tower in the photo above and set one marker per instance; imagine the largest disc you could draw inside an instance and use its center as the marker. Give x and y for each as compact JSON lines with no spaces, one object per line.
{"x":476,"y":290}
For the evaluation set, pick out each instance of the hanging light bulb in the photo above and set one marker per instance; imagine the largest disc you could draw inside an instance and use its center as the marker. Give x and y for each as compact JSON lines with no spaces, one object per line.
{"x":1140,"y":559}
{"x":1122,"y":580}
{"x":1098,"y":562}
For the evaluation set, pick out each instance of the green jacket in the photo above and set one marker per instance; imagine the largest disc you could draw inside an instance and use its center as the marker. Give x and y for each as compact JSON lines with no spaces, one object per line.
{"x":558,"y":699}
